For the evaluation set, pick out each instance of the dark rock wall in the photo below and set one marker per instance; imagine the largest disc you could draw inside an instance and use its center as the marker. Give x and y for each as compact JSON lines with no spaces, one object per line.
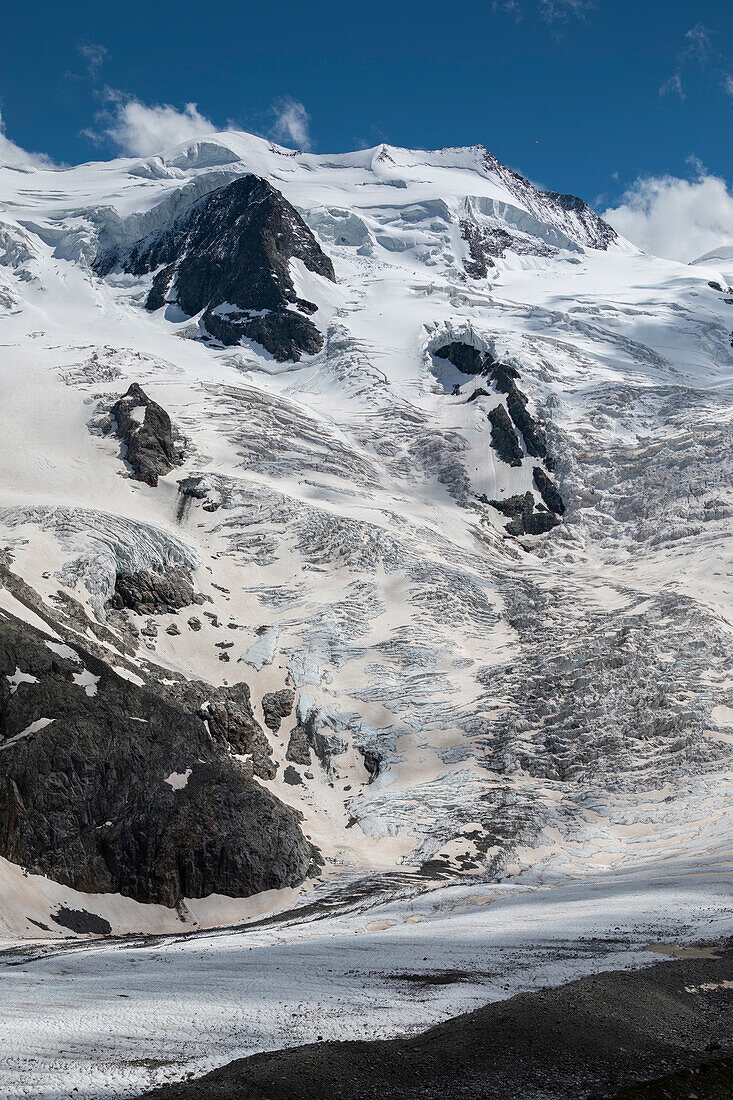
{"x":227,"y":711}
{"x":277,"y":705}
{"x":228,"y":255}
{"x":85,"y":799}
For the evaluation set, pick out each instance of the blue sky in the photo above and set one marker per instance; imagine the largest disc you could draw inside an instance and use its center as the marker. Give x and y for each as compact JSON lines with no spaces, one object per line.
{"x":580,"y":96}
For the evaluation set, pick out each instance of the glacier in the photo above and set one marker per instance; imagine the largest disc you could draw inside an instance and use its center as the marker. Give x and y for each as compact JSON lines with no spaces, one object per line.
{"x":476,"y":709}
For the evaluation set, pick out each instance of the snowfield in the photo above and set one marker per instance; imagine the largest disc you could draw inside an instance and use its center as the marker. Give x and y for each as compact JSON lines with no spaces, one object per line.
{"x":524,"y":742}
{"x":112,"y":1019}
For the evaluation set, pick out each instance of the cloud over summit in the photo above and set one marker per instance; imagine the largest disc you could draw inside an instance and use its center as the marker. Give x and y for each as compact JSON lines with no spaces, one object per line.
{"x":139,"y":130}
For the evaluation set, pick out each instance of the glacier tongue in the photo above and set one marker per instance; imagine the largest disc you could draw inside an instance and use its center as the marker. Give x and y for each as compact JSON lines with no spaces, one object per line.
{"x":471,"y":697}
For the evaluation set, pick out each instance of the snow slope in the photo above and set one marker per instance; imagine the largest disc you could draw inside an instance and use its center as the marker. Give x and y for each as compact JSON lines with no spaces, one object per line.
{"x":557,"y":705}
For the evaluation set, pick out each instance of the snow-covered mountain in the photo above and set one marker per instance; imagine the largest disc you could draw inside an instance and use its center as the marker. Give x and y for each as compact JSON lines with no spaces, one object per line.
{"x":720,"y":258}
{"x":361,"y":515}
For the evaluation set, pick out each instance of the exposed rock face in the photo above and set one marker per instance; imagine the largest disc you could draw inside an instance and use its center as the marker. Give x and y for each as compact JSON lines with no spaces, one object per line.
{"x":198,"y":487}
{"x":277,"y":705}
{"x":373,"y":762}
{"x":228,"y":255}
{"x":470,"y":360}
{"x":504,"y":377}
{"x":145,"y":428}
{"x":298,"y":751}
{"x":548,"y":491}
{"x":594,"y":232}
{"x":504,"y":439}
{"x":525,"y":520}
{"x":106,"y":786}
{"x":480,"y":391}
{"x":485,"y":244}
{"x":511,"y":425}
{"x":464,"y":357}
{"x":82,"y":922}
{"x":533,"y":439}
{"x":152,"y":593}
{"x":570,"y":214}
{"x":228,"y":712}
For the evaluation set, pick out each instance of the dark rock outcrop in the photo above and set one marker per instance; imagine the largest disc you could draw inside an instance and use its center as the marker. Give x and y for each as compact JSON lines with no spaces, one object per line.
{"x":152,"y":593}
{"x":298,"y":751}
{"x":81,"y":922}
{"x":465,"y":357}
{"x":292,"y":776}
{"x":480,"y":391}
{"x":277,"y":705}
{"x":525,"y":520}
{"x":567,"y":212}
{"x":592,"y":230}
{"x":146,"y":430}
{"x":505,"y":378}
{"x":548,"y":491}
{"x":227,"y":710}
{"x":227,"y":256}
{"x":124,"y":790}
{"x":504,"y":438}
{"x":320,"y":730}
{"x":516,"y":403}
{"x":373,"y":762}
{"x":469,"y":360}
{"x":485,"y":244}
{"x":197,"y":487}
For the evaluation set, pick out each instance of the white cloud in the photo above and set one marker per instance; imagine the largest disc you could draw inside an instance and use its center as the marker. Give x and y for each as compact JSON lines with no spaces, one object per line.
{"x":673,"y":84}
{"x":698,"y":43}
{"x":678,"y":219}
{"x":552,"y":11}
{"x":292,"y":123}
{"x":11,"y":155}
{"x":141,"y":131}
{"x":697,"y":53}
{"x":94,"y":56}
{"x":728,"y":83}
